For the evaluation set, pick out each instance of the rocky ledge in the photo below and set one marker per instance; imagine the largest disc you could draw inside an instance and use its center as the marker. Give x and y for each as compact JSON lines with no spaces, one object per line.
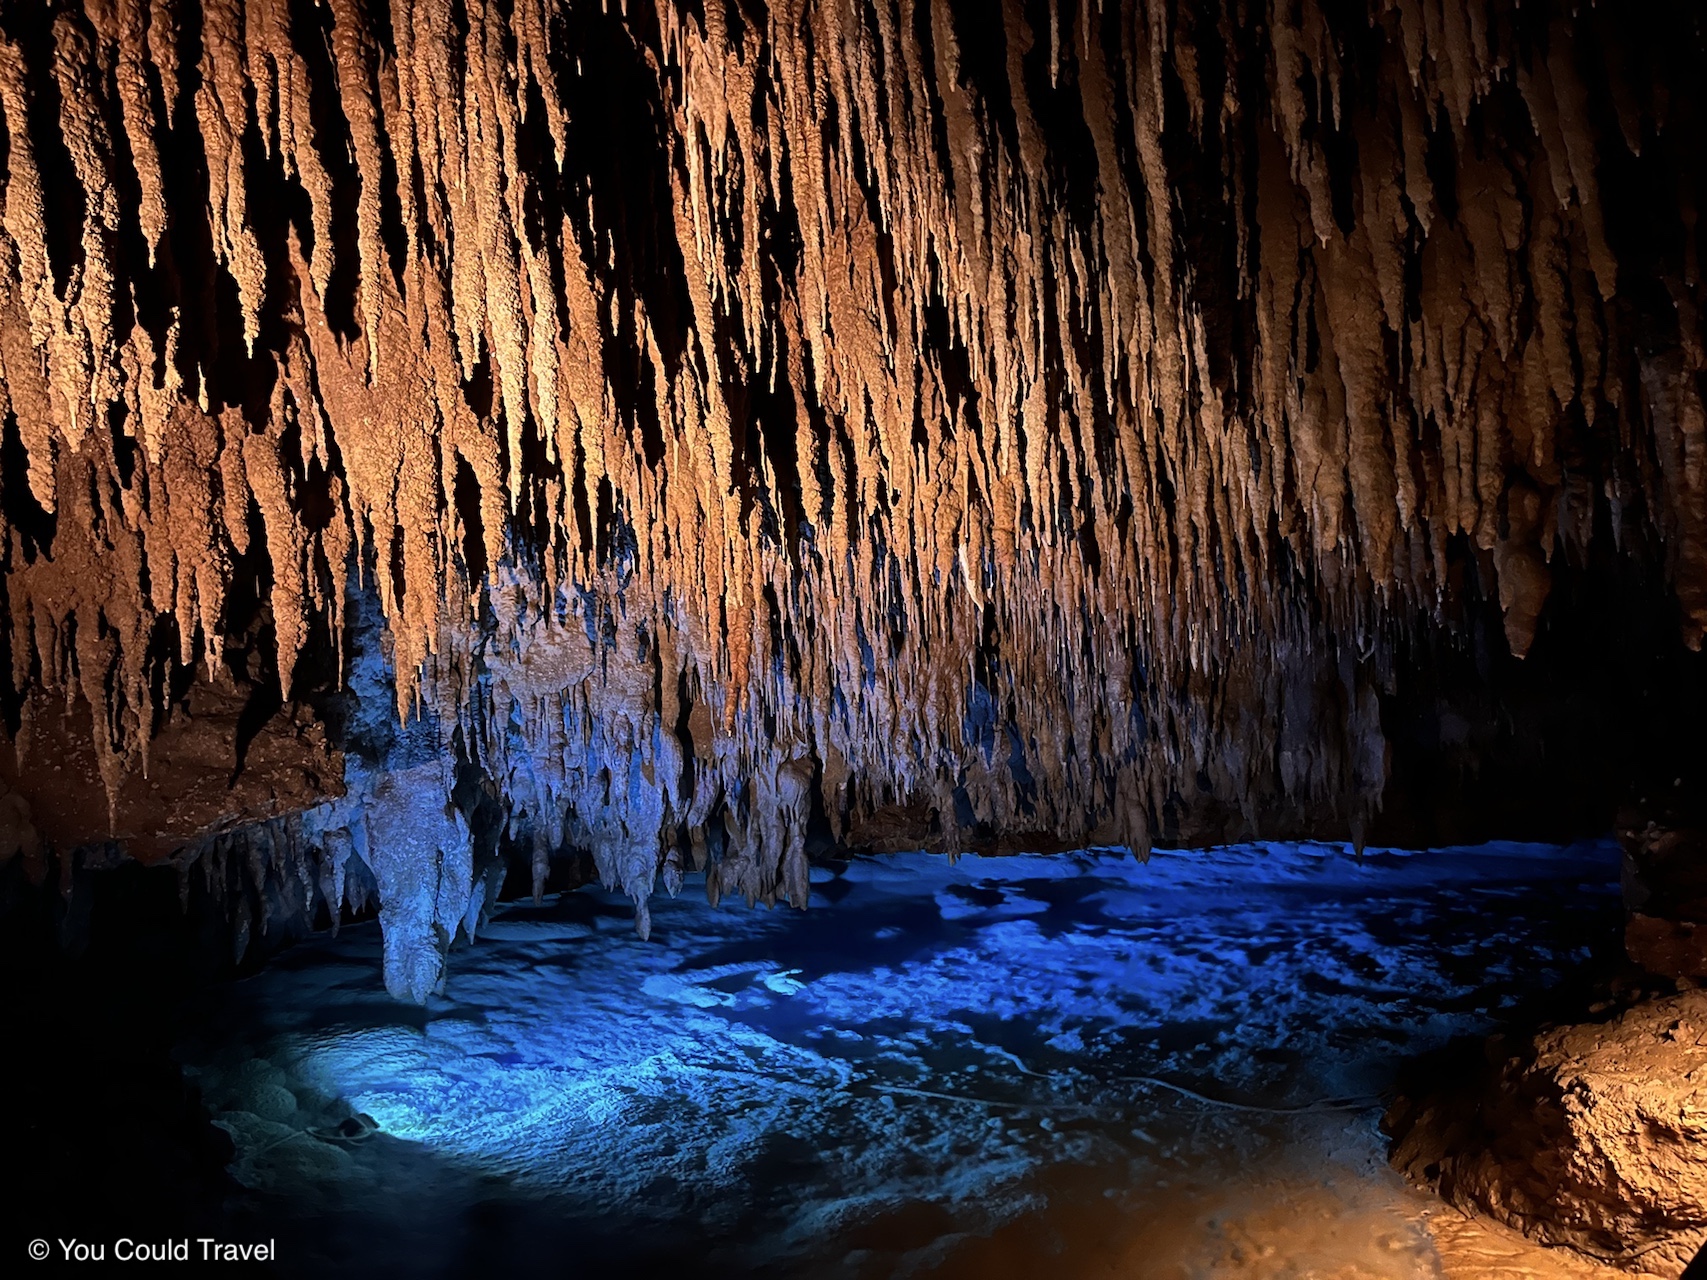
{"x":1592,"y":1137}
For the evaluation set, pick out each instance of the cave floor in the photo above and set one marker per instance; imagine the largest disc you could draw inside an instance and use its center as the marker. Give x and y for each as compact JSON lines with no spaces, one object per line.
{"x":1067,"y":1065}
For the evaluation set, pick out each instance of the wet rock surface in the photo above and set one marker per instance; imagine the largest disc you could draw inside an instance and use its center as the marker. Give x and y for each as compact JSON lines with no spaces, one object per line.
{"x":1033,"y":1063}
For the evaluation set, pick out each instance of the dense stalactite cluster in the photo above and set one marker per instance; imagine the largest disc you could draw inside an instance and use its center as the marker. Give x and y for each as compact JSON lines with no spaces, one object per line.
{"x":1022,"y":413}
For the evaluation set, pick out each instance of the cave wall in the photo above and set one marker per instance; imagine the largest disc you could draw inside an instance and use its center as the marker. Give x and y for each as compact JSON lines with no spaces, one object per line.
{"x":942,"y":423}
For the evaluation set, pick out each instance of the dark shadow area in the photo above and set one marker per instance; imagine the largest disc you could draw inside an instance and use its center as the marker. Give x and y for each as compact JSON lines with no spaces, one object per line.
{"x":104,"y":1135}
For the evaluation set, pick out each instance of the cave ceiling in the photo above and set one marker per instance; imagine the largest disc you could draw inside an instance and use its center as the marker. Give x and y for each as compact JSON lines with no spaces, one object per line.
{"x":1019,"y":412}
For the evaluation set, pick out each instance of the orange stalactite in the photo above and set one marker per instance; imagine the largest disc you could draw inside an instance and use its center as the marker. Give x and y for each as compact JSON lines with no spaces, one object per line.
{"x":835,"y":370}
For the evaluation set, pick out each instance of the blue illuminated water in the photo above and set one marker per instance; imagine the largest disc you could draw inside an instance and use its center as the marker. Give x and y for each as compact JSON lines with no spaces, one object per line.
{"x":973,"y":1066}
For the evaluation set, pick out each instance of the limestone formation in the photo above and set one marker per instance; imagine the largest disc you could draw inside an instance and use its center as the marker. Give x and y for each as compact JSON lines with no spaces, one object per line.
{"x":1591,"y":1136}
{"x":1017,"y":414}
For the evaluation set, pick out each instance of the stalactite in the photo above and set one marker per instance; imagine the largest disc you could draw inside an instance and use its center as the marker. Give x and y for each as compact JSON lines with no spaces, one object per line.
{"x":886,"y":407}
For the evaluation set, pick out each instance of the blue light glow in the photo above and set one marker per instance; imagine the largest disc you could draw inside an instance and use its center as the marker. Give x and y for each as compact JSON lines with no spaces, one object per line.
{"x":956,"y":1035}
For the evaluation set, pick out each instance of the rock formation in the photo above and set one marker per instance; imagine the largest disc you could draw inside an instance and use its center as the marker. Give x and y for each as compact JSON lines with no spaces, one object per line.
{"x":1590,"y":1136}
{"x":1019,"y":419}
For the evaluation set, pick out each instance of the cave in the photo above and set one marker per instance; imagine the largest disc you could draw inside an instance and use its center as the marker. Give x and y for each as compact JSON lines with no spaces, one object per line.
{"x":854,"y":638}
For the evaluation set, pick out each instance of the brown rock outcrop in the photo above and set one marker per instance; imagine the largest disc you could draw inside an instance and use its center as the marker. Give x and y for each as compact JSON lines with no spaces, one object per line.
{"x":1592,"y":1137}
{"x":194,"y":787}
